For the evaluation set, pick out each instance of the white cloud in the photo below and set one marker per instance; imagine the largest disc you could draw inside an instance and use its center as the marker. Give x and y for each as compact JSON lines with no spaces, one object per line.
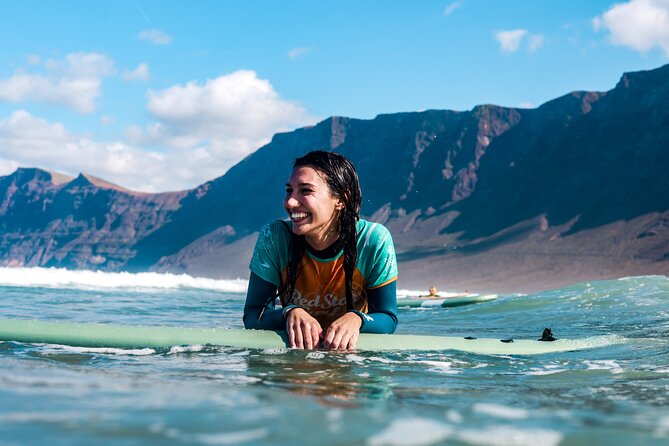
{"x":141,"y":73}
{"x":29,"y":141}
{"x":535,"y":42}
{"x":296,"y":53}
{"x":155,"y":36}
{"x":638,"y":24}
{"x":448,"y":10}
{"x":74,"y":82}
{"x":226,"y":118}
{"x":202,"y":129}
{"x":33,"y":59}
{"x":510,"y":41}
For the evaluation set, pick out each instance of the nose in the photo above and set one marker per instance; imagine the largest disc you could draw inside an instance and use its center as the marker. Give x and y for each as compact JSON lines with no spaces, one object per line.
{"x":290,"y":201}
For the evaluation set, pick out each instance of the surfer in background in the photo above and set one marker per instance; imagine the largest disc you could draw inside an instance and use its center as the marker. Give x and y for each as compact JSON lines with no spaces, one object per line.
{"x":432,"y":292}
{"x":333,"y":272}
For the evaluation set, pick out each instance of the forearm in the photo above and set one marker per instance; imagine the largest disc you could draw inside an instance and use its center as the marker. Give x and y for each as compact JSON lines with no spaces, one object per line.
{"x":257,"y":296}
{"x":380,"y":323}
{"x":382,"y":315}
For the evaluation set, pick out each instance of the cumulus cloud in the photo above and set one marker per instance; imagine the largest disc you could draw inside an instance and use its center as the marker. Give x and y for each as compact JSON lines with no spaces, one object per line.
{"x":296,"y":53}
{"x":639,"y":24}
{"x":155,"y":36}
{"x":141,"y":73}
{"x":30,"y":141}
{"x":224,"y":119}
{"x":448,"y":10}
{"x":73,"y":82}
{"x":510,"y":40}
{"x":199,"y":130}
{"x":535,"y":42}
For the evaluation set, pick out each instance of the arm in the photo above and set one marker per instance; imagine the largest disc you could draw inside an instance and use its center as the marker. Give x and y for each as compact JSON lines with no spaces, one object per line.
{"x":259,"y":292}
{"x":382,"y":315}
{"x":379,"y":266}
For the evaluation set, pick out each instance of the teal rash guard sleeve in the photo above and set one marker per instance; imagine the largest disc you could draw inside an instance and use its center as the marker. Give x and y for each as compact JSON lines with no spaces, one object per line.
{"x":382,"y":316}
{"x":258,"y":295}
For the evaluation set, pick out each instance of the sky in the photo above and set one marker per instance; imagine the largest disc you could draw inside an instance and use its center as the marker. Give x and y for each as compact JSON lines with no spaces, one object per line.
{"x":166,"y":95}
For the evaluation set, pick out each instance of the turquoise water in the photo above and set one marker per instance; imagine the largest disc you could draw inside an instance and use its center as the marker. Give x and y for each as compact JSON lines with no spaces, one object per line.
{"x":197,"y":395}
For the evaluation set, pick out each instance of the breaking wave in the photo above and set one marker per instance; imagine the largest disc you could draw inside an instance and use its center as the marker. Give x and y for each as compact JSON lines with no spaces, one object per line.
{"x":78,"y":279}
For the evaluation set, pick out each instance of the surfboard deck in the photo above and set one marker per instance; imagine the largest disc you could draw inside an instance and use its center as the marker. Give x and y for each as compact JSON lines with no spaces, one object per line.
{"x":137,"y":336}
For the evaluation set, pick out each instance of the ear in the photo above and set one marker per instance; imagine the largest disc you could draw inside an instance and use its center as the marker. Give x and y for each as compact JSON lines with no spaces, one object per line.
{"x":339,"y":206}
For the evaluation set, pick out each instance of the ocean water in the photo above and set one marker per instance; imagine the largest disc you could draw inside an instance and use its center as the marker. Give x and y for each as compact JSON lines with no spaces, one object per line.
{"x":205,"y":395}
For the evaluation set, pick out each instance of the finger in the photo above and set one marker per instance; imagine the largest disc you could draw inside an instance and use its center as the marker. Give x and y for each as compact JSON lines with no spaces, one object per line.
{"x":336,"y":338}
{"x":306,"y":334}
{"x":329,"y":337}
{"x":316,"y":334}
{"x":338,"y":343}
{"x":299,"y":340}
{"x":353,"y":341}
{"x":291,"y":335}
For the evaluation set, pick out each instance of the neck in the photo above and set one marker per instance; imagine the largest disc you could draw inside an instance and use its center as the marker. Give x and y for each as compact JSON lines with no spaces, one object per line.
{"x":323,"y":241}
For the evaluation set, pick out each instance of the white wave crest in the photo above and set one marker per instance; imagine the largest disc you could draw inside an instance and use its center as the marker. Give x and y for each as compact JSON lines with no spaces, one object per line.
{"x":84,"y":279}
{"x":102,"y":350}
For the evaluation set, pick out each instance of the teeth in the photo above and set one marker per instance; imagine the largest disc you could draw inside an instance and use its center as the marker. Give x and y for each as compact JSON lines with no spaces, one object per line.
{"x":298,"y":215}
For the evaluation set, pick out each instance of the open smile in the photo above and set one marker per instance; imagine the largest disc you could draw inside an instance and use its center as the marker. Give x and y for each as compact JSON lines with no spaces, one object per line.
{"x":297,"y":217}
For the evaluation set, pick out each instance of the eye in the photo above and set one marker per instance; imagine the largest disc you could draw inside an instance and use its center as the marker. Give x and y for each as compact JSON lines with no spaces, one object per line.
{"x":289,"y":190}
{"x":306,"y":191}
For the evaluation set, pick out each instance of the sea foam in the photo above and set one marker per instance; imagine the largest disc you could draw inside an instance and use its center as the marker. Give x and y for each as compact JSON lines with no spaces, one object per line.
{"x":412,"y":431}
{"x":84,"y":279}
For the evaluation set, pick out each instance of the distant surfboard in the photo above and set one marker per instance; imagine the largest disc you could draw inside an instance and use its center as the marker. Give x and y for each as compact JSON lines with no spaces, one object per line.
{"x":135,"y":336}
{"x":444,"y":301}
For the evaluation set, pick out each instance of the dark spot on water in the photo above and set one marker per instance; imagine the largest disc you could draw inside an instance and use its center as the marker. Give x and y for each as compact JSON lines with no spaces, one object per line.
{"x":66,"y":358}
{"x":8,"y":346}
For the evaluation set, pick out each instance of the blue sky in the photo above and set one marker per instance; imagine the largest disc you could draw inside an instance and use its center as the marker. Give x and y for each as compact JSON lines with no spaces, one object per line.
{"x":165,"y":95}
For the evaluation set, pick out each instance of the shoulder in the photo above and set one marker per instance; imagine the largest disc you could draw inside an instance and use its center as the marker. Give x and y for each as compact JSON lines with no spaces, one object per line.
{"x":274,"y":236}
{"x":372,"y":234}
{"x":274,"y":230}
{"x":271,"y":252}
{"x":376,"y":254}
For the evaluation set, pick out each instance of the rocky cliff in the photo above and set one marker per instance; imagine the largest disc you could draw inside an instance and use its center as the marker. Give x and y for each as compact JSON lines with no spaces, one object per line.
{"x":48,"y":219}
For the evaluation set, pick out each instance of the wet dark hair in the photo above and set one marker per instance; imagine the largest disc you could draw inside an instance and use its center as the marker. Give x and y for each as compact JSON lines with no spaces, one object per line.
{"x":342,"y":180}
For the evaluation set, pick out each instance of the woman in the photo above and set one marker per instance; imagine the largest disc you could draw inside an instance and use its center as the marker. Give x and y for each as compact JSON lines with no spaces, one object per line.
{"x":334,"y":273}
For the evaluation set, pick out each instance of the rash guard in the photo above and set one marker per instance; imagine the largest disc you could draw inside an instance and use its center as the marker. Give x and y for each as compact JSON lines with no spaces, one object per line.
{"x":320,"y":285}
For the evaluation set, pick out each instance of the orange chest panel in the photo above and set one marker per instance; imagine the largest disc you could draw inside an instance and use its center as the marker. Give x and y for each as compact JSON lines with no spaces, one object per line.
{"x":320,"y":288}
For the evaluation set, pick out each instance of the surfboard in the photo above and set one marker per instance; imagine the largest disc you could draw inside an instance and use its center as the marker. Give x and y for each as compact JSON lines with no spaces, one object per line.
{"x":137,"y":336}
{"x":427,"y":302}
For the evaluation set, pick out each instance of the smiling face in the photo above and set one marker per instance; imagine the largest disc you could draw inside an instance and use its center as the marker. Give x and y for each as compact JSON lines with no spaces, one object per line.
{"x":312,"y":208}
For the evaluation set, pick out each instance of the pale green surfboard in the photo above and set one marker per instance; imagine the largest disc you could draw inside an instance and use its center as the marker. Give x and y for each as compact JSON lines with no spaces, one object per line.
{"x":136,"y":336}
{"x":427,"y":302}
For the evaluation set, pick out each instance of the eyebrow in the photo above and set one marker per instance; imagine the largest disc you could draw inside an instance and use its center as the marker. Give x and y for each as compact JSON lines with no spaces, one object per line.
{"x":300,"y":184}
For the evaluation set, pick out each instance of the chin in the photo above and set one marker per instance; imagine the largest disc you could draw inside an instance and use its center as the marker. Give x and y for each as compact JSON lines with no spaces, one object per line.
{"x":297,"y":229}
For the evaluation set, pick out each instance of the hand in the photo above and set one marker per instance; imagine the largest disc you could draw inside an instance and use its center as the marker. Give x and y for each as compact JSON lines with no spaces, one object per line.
{"x":303,"y":330}
{"x":343,"y":333}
